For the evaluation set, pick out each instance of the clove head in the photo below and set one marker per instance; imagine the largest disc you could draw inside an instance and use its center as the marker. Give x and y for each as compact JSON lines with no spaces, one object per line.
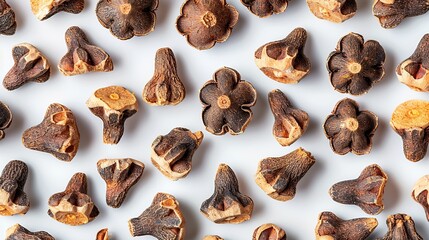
{"x":264,"y":8}
{"x":401,"y":226}
{"x":7,"y":19}
{"x":103,"y":234}
{"x":420,"y":193}
{"x":13,"y":199}
{"x":18,"y":232}
{"x":44,"y":9}
{"x":336,"y":11}
{"x":391,"y":13}
{"x":269,"y":231}
{"x":366,"y":191}
{"x":227,"y":204}
{"x":5,"y":119}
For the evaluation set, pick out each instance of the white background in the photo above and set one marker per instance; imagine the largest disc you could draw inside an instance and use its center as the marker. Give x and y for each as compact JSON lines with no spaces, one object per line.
{"x":133,"y":62}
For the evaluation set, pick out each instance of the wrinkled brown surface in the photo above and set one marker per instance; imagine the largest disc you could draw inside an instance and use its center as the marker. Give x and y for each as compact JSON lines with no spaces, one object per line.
{"x":284,"y":60}
{"x":30,"y":66}
{"x":401,"y":227}
{"x":120,"y":175}
{"x":18,"y":232}
{"x":420,"y":194}
{"x":172,"y":153}
{"x":165,"y":87}
{"x":103,"y":234}
{"x":82,"y":57}
{"x":226,"y":102}
{"x":162,"y":220}
{"x":279,"y":176}
{"x":57,"y":134}
{"x":350,"y":129}
{"x":227,"y":204}
{"x":73,"y":206}
{"x":366,"y":191}
{"x":127,"y":18}
{"x":44,"y":9}
{"x":391,"y":13}
{"x":206,"y":22}
{"x":336,"y":11}
{"x":351,"y":53}
{"x":329,"y":226}
{"x":269,"y":231}
{"x":13,"y":199}
{"x":5,"y":119}
{"x":7,"y":19}
{"x":265,"y":8}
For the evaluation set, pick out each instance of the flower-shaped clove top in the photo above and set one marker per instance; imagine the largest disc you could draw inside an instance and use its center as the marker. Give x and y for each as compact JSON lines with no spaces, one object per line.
{"x":227,"y":100}
{"x":206,"y":22}
{"x":356,"y":65}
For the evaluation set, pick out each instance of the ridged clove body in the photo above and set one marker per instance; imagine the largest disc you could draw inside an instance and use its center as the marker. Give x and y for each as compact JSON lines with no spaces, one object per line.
{"x":44,"y":9}
{"x":401,"y":227}
{"x":18,"y":232}
{"x":13,"y":199}
{"x":420,"y":194}
{"x":5,"y":119}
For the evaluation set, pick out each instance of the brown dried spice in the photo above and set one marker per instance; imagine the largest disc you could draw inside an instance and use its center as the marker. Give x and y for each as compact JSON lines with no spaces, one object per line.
{"x":44,"y":9}
{"x":366,"y":191}
{"x":103,"y":234}
{"x":226,"y":102}
{"x":329,"y":226}
{"x":113,"y":105}
{"x":401,"y":226}
{"x":13,"y":199}
{"x":73,"y":206}
{"x":390,"y":13}
{"x":349,"y":129}
{"x":227,"y":204}
{"x":7,"y":19}
{"x":205,"y":23}
{"x":411,"y":121}
{"x":355,"y":66}
{"x":57,"y":134}
{"x":289,"y":123}
{"x":336,"y":11}
{"x":212,"y":237}
{"x":82,"y":57}
{"x":30,"y":66}
{"x":278,"y":176}
{"x":163,"y":220}
{"x":165,"y":87}
{"x":420,"y":193}
{"x":414,"y":71}
{"x":18,"y":232}
{"x":120,"y":175}
{"x":172,"y":154}
{"x":5,"y":119}
{"x":269,"y":231}
{"x":284,"y":60}
{"x":264,"y":8}
{"x":127,"y":18}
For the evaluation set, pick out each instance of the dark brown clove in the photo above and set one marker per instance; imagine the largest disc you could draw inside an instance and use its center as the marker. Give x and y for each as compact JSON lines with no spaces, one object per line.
{"x":5,"y":119}
{"x":7,"y":19}
{"x":269,"y":231}
{"x":44,"y":9}
{"x":18,"y":232}
{"x":401,"y":227}
{"x":264,"y":8}
{"x":103,"y":234}
{"x":391,"y":13}
{"x":420,"y":193}
{"x":13,"y":199}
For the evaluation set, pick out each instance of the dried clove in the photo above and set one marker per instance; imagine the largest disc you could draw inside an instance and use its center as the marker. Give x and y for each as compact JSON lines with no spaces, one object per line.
{"x":212,"y":237}
{"x":7,"y":19}
{"x":5,"y":119}
{"x":73,"y":206}
{"x":289,"y":123}
{"x":103,"y":234}
{"x":44,"y":9}
{"x":120,"y":175}
{"x":411,"y":121}
{"x":163,"y":219}
{"x":82,"y":57}
{"x":113,"y":105}
{"x":264,"y":8}
{"x":227,"y":204}
{"x":420,"y":193}
{"x":278,"y":176}
{"x":284,"y":60}
{"x":30,"y":66}
{"x":329,"y":226}
{"x":13,"y":199}
{"x":18,"y":232}
{"x":401,"y":226}
{"x":336,"y":11}
{"x":57,"y":134}
{"x":366,"y":191}
{"x":165,"y":87}
{"x":172,"y":154}
{"x":390,"y":13}
{"x":269,"y":232}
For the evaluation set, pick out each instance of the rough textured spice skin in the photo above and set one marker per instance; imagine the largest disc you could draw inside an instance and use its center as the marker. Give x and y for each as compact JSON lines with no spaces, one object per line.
{"x":73,"y":206}
{"x":127,"y":18}
{"x":172,"y":154}
{"x":44,"y":9}
{"x":162,"y":220}
{"x":284,"y":61}
{"x":411,"y":121}
{"x":212,"y":237}
{"x":120,"y":175}
{"x":57,"y":134}
{"x":5,"y":119}
{"x":336,"y":11}
{"x":390,"y":13}
{"x":355,"y":66}
{"x":279,"y":176}
{"x":350,"y":129}
{"x":165,"y":87}
{"x":18,"y":232}
{"x":264,"y":8}
{"x":7,"y":19}
{"x":226,"y":102}
{"x":289,"y":123}
{"x":269,"y":231}
{"x":401,"y":227}
{"x":329,"y":226}
{"x":366,"y":191}
{"x":103,"y":234}
{"x":205,"y":23}
{"x":82,"y":57}
{"x":227,"y":204}
{"x":13,"y":199}
{"x":420,"y":194}
{"x":414,"y":71}
{"x":113,"y":105}
{"x":30,"y":66}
